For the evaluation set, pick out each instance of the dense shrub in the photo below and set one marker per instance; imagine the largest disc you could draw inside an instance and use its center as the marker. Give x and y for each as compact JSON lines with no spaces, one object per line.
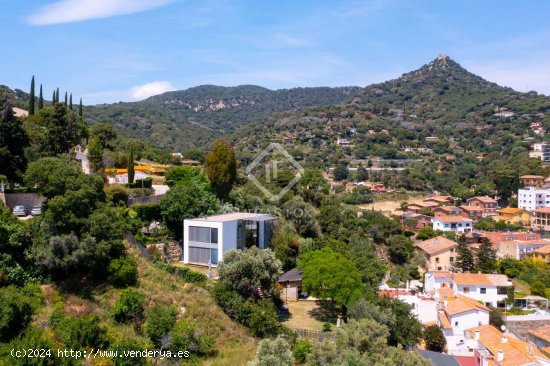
{"x":434,"y":338}
{"x":123,"y":272}
{"x":184,"y":337}
{"x":16,"y":309}
{"x":185,"y":273}
{"x":145,"y":183}
{"x":129,"y":306}
{"x":263,"y":319}
{"x":158,"y":323}
{"x":302,"y":348}
{"x":147,"y":212}
{"x":82,"y":332}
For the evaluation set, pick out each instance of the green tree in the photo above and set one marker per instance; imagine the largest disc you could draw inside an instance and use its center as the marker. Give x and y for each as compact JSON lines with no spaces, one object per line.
{"x":273,"y":352}
{"x":53,"y":98}
{"x":329,"y":275}
{"x":80,"y":108}
{"x":245,"y":270}
{"x":183,"y":175}
{"x":71,"y":102}
{"x":303,"y":216}
{"x":221,"y":168}
{"x":486,"y":257}
{"x":40,"y":99}
{"x":341,"y":172}
{"x":131,"y":171}
{"x":464,"y":261}
{"x":434,"y":338}
{"x":66,"y":100}
{"x":83,"y":332}
{"x":95,"y":155}
{"x":185,"y":202}
{"x":16,"y":310}
{"x":399,"y":248}
{"x":158,"y":323}
{"x":426,"y":233}
{"x":128,"y":306}
{"x":61,"y":129}
{"x":13,"y":141}
{"x":406,"y":330}
{"x":31,"y":98}
{"x":105,"y":133}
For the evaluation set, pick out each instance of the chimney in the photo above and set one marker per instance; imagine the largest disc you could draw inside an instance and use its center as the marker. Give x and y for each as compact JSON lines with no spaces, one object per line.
{"x":504,"y":339}
{"x":500,"y":356}
{"x":445,"y":303}
{"x":476,"y":335}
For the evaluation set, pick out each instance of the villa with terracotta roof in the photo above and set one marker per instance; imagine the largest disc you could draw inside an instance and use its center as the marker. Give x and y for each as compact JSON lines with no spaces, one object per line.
{"x":513,"y":215}
{"x":439,"y":253}
{"x":447,"y":211}
{"x":488,"y":204}
{"x":495,"y":237}
{"x":434,"y":280}
{"x":421,"y":206}
{"x":440,"y":200}
{"x":471,"y":212}
{"x":542,"y":254}
{"x":492,"y":348}
{"x":531,"y":180}
{"x":458,"y":313}
{"x":455,"y":223}
{"x":490,"y":289}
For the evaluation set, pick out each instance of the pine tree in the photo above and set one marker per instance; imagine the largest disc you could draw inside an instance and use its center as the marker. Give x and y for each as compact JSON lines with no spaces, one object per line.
{"x":131,"y":171}
{"x":486,"y":257}
{"x":31,"y":98}
{"x":71,"y":102}
{"x":66,"y":99}
{"x":465,"y":259}
{"x":41,"y":99}
{"x":80,"y":108}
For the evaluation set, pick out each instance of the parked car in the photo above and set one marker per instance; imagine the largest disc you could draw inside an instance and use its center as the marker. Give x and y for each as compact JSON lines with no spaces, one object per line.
{"x":19,"y":210}
{"x":36,"y":210}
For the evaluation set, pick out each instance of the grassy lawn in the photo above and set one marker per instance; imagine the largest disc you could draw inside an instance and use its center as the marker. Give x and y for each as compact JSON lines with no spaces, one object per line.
{"x":308,"y":315}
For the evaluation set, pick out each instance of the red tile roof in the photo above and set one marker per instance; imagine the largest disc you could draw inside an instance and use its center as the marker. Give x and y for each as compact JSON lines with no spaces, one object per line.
{"x":435,"y":245}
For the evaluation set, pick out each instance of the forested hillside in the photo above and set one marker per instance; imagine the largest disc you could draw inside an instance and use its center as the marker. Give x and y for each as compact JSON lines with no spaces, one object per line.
{"x":196,"y":116}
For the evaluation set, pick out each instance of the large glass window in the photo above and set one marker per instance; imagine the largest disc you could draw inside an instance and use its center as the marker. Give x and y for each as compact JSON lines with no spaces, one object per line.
{"x":203,"y":255}
{"x":203,"y":234}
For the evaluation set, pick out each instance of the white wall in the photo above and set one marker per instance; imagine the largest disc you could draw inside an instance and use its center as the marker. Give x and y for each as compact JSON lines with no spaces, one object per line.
{"x":468,"y":319}
{"x":461,"y":227}
{"x":433,"y":283}
{"x":210,"y":224}
{"x":490,"y":296}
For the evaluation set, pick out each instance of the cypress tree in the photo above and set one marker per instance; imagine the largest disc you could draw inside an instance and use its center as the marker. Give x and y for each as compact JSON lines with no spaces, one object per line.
{"x":40,"y":99}
{"x":80,"y":108}
{"x":131,"y":171}
{"x":71,"y":102}
{"x":31,"y":98}
{"x":57,"y":95}
{"x":465,"y":259}
{"x":53,"y":97}
{"x":486,"y":257}
{"x":66,"y":99}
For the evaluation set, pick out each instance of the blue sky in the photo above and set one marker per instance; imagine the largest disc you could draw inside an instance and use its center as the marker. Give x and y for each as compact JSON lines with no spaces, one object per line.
{"x":124,"y":50}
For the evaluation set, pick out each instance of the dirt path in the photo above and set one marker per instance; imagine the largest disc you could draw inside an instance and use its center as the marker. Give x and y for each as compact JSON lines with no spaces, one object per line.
{"x":390,"y":207}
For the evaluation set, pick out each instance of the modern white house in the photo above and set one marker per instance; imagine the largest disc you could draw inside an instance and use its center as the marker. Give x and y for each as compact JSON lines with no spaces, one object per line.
{"x":454,"y":223}
{"x":531,"y":198}
{"x":207,"y":239}
{"x":490,"y":289}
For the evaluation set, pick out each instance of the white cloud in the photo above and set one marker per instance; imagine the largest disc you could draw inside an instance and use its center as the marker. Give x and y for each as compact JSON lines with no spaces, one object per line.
{"x":69,"y":11}
{"x":144,"y":91}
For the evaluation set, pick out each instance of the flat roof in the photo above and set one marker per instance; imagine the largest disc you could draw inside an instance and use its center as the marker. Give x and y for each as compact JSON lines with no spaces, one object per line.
{"x":235,"y":216}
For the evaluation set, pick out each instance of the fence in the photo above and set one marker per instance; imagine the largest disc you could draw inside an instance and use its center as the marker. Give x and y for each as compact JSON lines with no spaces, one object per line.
{"x":131,"y":239}
{"x":310,"y":334}
{"x":147,"y":200}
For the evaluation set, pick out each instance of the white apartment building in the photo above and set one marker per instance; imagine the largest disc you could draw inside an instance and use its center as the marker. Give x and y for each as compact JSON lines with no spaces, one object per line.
{"x":531,"y":198}
{"x":207,"y":239}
